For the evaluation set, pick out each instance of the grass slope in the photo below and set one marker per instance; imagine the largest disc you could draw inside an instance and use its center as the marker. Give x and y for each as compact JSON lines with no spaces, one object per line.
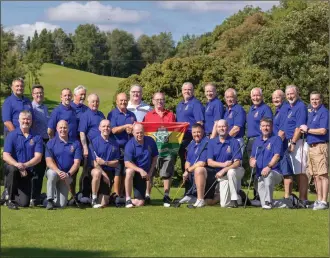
{"x":56,"y":77}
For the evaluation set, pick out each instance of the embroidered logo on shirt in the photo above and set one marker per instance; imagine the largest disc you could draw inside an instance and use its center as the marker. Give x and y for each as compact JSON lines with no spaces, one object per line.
{"x":228,"y":149}
{"x":72,"y":148}
{"x":256,"y":114}
{"x":268,"y":146}
{"x":31,"y":142}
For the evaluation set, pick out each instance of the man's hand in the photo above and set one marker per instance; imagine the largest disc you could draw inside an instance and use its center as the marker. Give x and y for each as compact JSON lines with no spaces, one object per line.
{"x":85,"y":152}
{"x":228,"y":163}
{"x":265,"y":171}
{"x":303,"y":128}
{"x":100,"y":161}
{"x":23,"y":173}
{"x":129,"y":128}
{"x":62,"y":175}
{"x":221,"y":173}
{"x":291,"y":147}
{"x":144,"y":175}
{"x":253,"y":162}
{"x":185,"y":175}
{"x":20,"y":166}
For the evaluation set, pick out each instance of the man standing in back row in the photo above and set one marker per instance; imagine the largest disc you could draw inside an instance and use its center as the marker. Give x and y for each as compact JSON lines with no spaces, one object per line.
{"x":135,"y":103}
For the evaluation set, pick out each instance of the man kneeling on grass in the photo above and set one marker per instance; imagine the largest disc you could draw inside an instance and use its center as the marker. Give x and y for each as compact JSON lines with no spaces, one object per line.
{"x":140,"y":160}
{"x":265,"y":156}
{"x":63,"y":159}
{"x":105,"y":155}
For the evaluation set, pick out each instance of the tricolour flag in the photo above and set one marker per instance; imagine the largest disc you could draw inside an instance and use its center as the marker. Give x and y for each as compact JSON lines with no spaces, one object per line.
{"x":168,"y":136}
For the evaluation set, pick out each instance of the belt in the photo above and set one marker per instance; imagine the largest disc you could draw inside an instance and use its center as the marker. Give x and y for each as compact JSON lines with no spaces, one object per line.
{"x":318,"y":143}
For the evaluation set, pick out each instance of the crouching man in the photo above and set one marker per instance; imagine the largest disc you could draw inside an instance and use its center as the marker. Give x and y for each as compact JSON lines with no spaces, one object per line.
{"x":63,"y":159}
{"x":22,"y":151}
{"x":265,"y":156}
{"x":224,"y":159}
{"x":105,"y":154}
{"x":140,"y":160}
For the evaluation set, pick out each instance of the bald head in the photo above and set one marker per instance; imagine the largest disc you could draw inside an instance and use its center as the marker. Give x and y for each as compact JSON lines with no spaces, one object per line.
{"x":62,"y":129}
{"x":138,"y":132}
{"x":222,"y":128}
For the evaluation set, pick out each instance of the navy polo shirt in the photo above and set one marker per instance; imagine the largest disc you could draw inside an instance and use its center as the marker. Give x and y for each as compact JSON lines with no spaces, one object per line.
{"x":11,"y":108}
{"x":106,"y":150}
{"x":318,"y":119}
{"x":80,"y":109}
{"x":222,"y":152}
{"x":254,"y":116}
{"x":118,"y":118}
{"x":266,"y":151}
{"x":192,"y":111}
{"x":68,"y":114}
{"x":195,"y":149}
{"x":89,"y":123}
{"x":20,"y":148}
{"x":141,"y":154}
{"x":236,"y":116}
{"x":63,"y":153}
{"x":279,"y":118}
{"x":214,"y":111}
{"x":295,"y":117}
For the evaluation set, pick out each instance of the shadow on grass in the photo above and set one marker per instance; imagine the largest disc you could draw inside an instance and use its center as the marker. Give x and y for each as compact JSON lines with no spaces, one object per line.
{"x":44,"y":252}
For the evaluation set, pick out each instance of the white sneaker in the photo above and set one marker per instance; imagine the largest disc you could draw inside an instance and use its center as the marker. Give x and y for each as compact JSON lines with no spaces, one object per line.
{"x":199,"y":203}
{"x":188,"y":199}
{"x":267,"y":206}
{"x":320,"y":206}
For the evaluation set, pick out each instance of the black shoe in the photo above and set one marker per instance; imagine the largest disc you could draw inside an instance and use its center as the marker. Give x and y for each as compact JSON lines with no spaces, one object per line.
{"x":244,"y":197}
{"x":11,"y":205}
{"x":147,"y":200}
{"x":129,"y":204}
{"x":50,"y":205}
{"x":233,"y":204}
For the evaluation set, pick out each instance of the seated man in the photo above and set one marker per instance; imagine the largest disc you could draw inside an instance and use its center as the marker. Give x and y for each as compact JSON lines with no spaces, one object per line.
{"x":194,"y":166}
{"x":265,"y":156}
{"x":105,"y":155}
{"x":224,"y":154}
{"x":63,"y":159}
{"x":140,"y":161}
{"x":22,"y":151}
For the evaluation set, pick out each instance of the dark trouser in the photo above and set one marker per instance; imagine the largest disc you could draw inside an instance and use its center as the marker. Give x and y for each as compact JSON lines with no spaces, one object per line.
{"x":182,"y":154}
{"x":191,"y":188}
{"x":85,"y":181}
{"x":19,"y":188}
{"x":37,"y":178}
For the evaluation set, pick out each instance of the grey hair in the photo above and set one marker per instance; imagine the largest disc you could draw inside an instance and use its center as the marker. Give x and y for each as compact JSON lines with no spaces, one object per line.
{"x":78,"y":88}
{"x":187,"y":83}
{"x":232,"y":90}
{"x":279,"y":92}
{"x":25,"y":112}
{"x":292,"y":87}
{"x":222,"y":120}
{"x":91,"y":95}
{"x":136,"y":85}
{"x":259,"y":89}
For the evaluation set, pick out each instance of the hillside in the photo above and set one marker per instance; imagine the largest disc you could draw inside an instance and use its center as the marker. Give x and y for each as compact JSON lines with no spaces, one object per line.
{"x":55,"y":77}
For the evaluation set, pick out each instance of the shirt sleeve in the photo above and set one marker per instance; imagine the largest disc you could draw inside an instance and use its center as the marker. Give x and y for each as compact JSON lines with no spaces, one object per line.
{"x":237,"y":153}
{"x":6,"y":111}
{"x":324,"y":120}
{"x":112,"y":119}
{"x":203,"y":155}
{"x":301,"y":116}
{"x":9,"y":144}
{"x":268,"y":112}
{"x":219,"y":111}
{"x":78,"y":151}
{"x":254,"y":149}
{"x":53,"y":119}
{"x":278,"y":146}
{"x":239,"y":118}
{"x":83,"y":123}
{"x":198,"y":110}
{"x":39,"y":144}
{"x":210,"y":152}
{"x":49,"y":152}
{"x":154,"y":150}
{"x":128,"y":155}
{"x":116,"y":154}
{"x":91,"y":150}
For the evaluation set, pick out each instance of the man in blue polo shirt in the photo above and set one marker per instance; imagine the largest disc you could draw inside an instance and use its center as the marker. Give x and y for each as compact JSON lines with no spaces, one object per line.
{"x":189,"y":110}
{"x":79,"y":96}
{"x":224,"y":160}
{"x":265,"y":157}
{"x":317,"y":130}
{"x":195,"y":171}
{"x":214,"y":109}
{"x":22,"y":151}
{"x":278,"y":100}
{"x":121,"y":120}
{"x":63,"y":157}
{"x":13,"y":105}
{"x":295,"y":117}
{"x":235,"y":116}
{"x":105,"y":156}
{"x":64,"y":111}
{"x":140,"y":161}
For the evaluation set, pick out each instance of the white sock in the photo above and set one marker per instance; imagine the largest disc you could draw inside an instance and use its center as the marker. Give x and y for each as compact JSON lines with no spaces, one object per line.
{"x":147,"y":195}
{"x":94,"y":196}
{"x":324,"y":202}
{"x":128,"y":198}
{"x":166,"y":194}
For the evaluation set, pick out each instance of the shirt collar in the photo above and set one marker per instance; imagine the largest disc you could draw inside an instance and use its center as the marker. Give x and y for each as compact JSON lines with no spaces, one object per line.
{"x":36,"y":104}
{"x":227,"y":140}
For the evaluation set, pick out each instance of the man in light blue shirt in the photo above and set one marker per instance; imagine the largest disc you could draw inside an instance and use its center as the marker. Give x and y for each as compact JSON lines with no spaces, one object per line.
{"x":135,"y":103}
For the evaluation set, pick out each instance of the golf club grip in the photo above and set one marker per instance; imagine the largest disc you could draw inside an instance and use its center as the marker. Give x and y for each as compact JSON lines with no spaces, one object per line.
{"x":232,"y":159}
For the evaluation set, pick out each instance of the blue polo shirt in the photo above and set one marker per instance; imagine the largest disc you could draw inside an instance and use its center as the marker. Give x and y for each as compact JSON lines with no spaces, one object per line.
{"x":20,"y":148}
{"x":192,"y":111}
{"x":68,"y":114}
{"x":236,"y":116}
{"x":266,"y":151}
{"x":318,"y":119}
{"x":89,"y":123}
{"x":254,"y":116}
{"x":118,"y":118}
{"x":11,"y":108}
{"x":222,"y":152}
{"x":195,"y":149}
{"x":214,"y":111}
{"x":80,"y":109}
{"x":279,"y":118}
{"x":63,"y":153}
{"x":107,"y":150}
{"x":295,"y":117}
{"x":141,"y":155}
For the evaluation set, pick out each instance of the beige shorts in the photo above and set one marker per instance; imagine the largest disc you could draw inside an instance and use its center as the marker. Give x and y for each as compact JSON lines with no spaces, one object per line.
{"x":318,"y":159}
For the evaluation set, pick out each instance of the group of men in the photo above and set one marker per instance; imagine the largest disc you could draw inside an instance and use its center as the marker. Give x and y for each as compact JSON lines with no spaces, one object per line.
{"x":116,"y":154}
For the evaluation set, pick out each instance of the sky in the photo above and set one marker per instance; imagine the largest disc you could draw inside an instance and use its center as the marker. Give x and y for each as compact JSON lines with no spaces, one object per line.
{"x":136,"y":17}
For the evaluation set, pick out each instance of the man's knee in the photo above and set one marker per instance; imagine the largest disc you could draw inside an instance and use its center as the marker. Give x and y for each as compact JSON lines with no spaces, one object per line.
{"x":10,"y":170}
{"x":51,"y":174}
{"x":130,"y":172}
{"x":96,"y":174}
{"x":200,"y":172}
{"x":231,"y":173}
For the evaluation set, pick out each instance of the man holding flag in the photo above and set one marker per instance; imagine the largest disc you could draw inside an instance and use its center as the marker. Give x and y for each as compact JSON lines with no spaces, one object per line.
{"x":165,"y":165}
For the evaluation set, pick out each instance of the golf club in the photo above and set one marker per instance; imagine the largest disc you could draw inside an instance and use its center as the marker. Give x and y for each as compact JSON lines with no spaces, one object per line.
{"x":191,"y":206}
{"x":301,"y":165}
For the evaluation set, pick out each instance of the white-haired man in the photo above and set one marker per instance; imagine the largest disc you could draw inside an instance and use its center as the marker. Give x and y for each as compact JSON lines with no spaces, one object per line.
{"x":135,"y":103}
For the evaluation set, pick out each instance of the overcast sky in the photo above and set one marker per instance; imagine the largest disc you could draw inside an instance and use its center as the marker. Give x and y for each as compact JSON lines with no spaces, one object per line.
{"x":136,"y":17}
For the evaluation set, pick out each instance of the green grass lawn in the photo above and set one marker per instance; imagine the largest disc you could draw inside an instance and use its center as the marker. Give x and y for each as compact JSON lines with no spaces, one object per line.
{"x":158,"y":231}
{"x":56,"y":77}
